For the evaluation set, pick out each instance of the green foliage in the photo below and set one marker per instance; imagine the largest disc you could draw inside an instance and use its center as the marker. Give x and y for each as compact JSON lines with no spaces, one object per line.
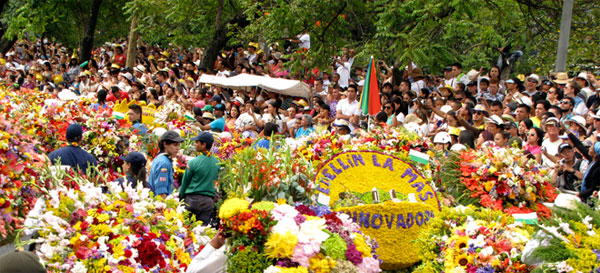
{"x":555,"y":252}
{"x":451,"y":185}
{"x":248,"y":261}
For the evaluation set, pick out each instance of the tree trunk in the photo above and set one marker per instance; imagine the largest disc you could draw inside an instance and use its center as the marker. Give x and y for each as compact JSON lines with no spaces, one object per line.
{"x":134,"y":34}
{"x":5,"y":44}
{"x":85,"y":49}
{"x":219,"y":40}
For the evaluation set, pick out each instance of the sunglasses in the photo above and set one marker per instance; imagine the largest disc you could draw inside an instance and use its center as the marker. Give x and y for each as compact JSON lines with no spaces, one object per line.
{"x":551,"y":92}
{"x":387,"y":107}
{"x":565,"y":102}
{"x":458,"y":98}
{"x":477,"y":113}
{"x":531,"y":80}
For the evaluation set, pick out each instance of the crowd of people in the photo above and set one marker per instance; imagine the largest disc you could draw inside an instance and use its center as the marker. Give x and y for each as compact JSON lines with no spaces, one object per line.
{"x":555,"y":118}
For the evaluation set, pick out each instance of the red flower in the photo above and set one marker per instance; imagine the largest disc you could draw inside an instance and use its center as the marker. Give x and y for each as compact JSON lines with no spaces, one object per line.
{"x":82,"y":253}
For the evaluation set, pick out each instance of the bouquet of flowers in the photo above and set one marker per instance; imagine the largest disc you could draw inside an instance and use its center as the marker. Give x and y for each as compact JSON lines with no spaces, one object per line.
{"x":261,"y":174}
{"x":567,"y":242}
{"x":469,"y":239}
{"x":276,"y":237}
{"x":124,"y":230}
{"x":499,"y":179}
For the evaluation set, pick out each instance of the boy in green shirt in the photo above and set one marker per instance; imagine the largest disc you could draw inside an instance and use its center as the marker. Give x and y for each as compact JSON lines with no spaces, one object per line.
{"x":198,"y":185}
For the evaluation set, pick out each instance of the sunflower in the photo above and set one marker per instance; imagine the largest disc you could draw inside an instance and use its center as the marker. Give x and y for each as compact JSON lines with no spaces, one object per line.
{"x":461,"y":243}
{"x":462,"y":260}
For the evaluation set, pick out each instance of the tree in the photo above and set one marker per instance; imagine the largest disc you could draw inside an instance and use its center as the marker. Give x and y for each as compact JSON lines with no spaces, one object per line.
{"x":87,"y":43}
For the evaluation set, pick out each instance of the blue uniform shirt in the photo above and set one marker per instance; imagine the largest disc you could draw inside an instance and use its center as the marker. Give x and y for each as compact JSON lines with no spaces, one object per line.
{"x":73,"y":156}
{"x":140,"y":127}
{"x":161,"y":178}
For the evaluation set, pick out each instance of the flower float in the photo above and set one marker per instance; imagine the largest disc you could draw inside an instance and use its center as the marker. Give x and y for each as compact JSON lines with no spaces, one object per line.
{"x":277,"y":237}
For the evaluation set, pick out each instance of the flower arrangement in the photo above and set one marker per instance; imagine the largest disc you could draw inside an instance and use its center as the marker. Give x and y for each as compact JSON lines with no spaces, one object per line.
{"x":470,"y":239}
{"x":124,"y":230}
{"x":499,"y":179}
{"x":261,"y":174}
{"x":277,"y":237}
{"x":567,"y":242}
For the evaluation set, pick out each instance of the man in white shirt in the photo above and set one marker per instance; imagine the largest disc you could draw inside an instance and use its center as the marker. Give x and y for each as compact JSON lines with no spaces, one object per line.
{"x":245,"y":122}
{"x":344,"y":71}
{"x":211,"y":258}
{"x":551,"y":143}
{"x":348,"y":109}
{"x":304,"y":40}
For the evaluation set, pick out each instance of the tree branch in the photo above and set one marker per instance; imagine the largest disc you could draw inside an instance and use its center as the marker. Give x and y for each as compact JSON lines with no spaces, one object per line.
{"x":322,"y":36}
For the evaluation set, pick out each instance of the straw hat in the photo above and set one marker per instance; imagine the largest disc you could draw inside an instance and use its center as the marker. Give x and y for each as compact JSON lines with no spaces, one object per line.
{"x":562,"y":78}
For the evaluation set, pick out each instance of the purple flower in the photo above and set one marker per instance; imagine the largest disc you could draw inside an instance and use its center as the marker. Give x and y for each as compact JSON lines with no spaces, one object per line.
{"x":486,"y":269}
{"x":320,"y":210}
{"x":353,"y":255}
{"x":287,"y":263}
{"x":597,"y":252}
{"x":299,"y":219}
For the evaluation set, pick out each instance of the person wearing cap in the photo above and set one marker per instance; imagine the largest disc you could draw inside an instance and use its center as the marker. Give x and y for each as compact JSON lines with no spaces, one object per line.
{"x":197,"y":188}
{"x":442,"y":141}
{"x":342,"y":127}
{"x":134,"y":114}
{"x":216,"y":99}
{"x":21,"y":262}
{"x":134,"y":167}
{"x":217,"y":125}
{"x":512,"y":129}
{"x":161,"y":175}
{"x":532,"y":82}
{"x":72,"y":155}
{"x":570,"y":170}
{"x":494,"y":124}
{"x":551,"y":143}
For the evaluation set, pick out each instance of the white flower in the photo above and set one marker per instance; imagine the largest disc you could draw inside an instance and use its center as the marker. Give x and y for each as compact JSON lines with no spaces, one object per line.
{"x":272,"y":269}
{"x":487,"y":251}
{"x":286,"y":225}
{"x":78,"y":267}
{"x":477,"y":242}
{"x":565,"y":227}
{"x":312,"y":230}
{"x":284,"y":211}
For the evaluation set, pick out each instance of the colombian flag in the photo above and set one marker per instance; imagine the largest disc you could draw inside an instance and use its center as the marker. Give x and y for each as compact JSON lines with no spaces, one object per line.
{"x":370,"y":102}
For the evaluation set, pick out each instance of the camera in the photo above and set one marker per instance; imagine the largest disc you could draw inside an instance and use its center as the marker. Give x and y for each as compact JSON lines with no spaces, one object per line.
{"x":562,"y":162}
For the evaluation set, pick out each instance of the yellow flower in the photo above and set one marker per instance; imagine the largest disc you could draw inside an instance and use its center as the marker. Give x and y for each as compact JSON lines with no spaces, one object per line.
{"x":118,"y":251}
{"x":299,"y":269}
{"x":462,"y":260}
{"x":281,"y":245}
{"x":103,"y":217}
{"x":232,"y":207}
{"x":461,"y":242}
{"x":183,"y":256}
{"x":362,"y":246}
{"x":321,"y":264}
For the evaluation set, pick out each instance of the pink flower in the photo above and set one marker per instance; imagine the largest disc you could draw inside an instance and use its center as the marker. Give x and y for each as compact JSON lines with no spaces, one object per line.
{"x":369,"y":265}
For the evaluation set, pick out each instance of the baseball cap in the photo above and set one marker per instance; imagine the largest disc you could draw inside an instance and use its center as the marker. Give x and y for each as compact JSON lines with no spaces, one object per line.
{"x":205,"y":137}
{"x":480,"y":108}
{"x":208,"y":108}
{"x":341,"y":123}
{"x":74,"y":132}
{"x":563,"y":146}
{"x":220,"y":107}
{"x":552,"y":121}
{"x":216,"y":98}
{"x":597,"y":115}
{"x":171,"y":136}
{"x":135,"y":158}
{"x":510,"y":81}
{"x":495,"y":120}
{"x":20,"y":262}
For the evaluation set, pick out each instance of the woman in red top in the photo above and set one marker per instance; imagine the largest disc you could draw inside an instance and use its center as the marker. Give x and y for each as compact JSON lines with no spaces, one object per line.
{"x":119,"y":57}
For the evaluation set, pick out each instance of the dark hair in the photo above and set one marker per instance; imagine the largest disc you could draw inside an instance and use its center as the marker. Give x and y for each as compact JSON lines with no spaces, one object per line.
{"x":571,"y":100}
{"x":102,"y":96}
{"x":460,"y":87}
{"x":484,"y":80}
{"x":270,"y":129}
{"x":527,"y":107}
{"x":353,"y":86}
{"x":425,"y":91}
{"x":139,"y":170}
{"x":381,"y":117}
{"x":540,"y":134}
{"x":458,"y":65}
{"x":495,"y":103}
{"x":487,"y":136}
{"x":197,"y":111}
{"x":136,"y":108}
{"x":545,"y":103}
{"x":528,"y":123}
{"x":467,"y":138}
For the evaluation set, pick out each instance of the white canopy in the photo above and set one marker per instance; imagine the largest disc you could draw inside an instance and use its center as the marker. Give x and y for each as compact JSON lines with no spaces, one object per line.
{"x":292,"y":88}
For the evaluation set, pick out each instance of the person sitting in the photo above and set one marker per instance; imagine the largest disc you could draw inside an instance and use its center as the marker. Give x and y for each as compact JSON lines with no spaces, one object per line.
{"x":306,"y":127}
{"x":269,"y":131}
{"x":72,"y":155}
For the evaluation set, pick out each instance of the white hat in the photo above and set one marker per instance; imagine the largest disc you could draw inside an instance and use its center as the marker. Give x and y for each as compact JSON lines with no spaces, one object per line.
{"x":579,"y":120}
{"x":458,"y":147}
{"x":471,"y":74}
{"x":446,"y":108}
{"x":128,"y":76}
{"x":442,"y":137}
{"x":67,"y":94}
{"x":495,"y":120}
{"x":597,"y":115}
{"x":525,"y":100}
{"x":567,"y":201}
{"x":140,"y":68}
{"x":413,"y":127}
{"x":535,"y":77}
